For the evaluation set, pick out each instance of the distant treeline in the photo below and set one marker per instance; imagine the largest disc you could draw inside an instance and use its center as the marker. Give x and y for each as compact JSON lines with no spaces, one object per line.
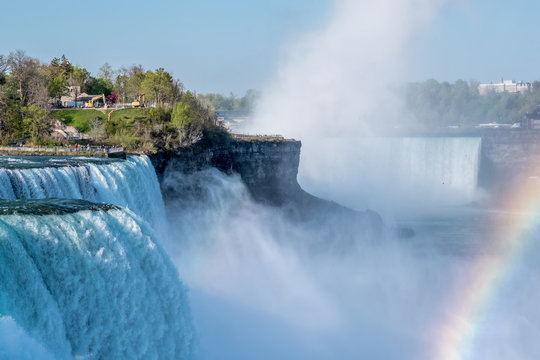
{"x":219,"y":102}
{"x":29,"y":88}
{"x":436,"y":104}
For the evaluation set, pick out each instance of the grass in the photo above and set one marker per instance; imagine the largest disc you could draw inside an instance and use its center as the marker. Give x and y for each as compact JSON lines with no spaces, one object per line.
{"x":78,"y":118}
{"x":127,"y":115}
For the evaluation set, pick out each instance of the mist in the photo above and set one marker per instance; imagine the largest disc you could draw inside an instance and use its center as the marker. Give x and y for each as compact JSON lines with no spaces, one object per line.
{"x":340,"y":87}
{"x":260,"y":281}
{"x":265,"y":286}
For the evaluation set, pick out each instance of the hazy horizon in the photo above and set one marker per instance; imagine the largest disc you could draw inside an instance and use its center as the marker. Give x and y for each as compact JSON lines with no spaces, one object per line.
{"x":233,"y":47}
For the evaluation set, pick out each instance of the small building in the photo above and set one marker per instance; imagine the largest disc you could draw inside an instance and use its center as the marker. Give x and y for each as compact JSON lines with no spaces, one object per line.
{"x":509,"y":86}
{"x":76,"y":99}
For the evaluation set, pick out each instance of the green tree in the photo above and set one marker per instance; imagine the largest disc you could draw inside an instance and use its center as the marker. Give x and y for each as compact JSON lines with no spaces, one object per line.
{"x":81,"y":77}
{"x":58,"y":86}
{"x":98,"y":86}
{"x":158,"y":86}
{"x":11,"y":126}
{"x":36,"y":123}
{"x":134,"y":85}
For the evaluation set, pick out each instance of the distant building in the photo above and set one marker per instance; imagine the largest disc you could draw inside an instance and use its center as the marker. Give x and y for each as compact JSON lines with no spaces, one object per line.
{"x":504,"y":86}
{"x":74,"y":97}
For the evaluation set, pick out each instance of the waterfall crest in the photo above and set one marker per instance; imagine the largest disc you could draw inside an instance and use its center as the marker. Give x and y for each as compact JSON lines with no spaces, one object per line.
{"x":131,"y":184}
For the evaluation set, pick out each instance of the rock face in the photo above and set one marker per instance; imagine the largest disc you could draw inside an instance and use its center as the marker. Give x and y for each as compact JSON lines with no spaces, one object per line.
{"x":508,"y":155}
{"x":269,"y":170}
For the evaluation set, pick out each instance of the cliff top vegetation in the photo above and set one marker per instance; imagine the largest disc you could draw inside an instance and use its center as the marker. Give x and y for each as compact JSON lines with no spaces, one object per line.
{"x":166,"y":116}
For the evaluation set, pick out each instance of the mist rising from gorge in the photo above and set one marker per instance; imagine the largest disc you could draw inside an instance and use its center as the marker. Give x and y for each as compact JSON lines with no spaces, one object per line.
{"x":267,"y":287}
{"x":340,"y":82}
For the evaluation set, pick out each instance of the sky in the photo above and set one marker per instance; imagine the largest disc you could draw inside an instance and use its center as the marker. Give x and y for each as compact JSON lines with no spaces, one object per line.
{"x":231,"y":46}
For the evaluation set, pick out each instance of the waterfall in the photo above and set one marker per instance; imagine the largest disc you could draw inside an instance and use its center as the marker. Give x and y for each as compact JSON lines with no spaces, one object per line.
{"x":131,"y":184}
{"x":396,"y":172}
{"x":80,"y":278}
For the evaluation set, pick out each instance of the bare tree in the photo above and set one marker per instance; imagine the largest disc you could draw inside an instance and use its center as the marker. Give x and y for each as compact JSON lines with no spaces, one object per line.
{"x":22,"y":70}
{"x":3,"y":65}
{"x":38,"y":93}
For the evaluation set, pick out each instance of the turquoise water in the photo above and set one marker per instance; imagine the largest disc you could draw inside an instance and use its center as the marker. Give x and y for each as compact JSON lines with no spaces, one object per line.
{"x":82,"y":269}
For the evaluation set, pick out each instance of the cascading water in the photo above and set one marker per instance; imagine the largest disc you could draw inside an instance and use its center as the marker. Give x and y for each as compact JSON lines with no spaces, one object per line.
{"x":393,"y":173}
{"x":131,"y":183}
{"x":86,"y":279}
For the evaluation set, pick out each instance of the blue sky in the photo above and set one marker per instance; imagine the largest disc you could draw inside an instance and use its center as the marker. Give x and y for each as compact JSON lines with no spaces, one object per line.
{"x":223,"y":46}
{"x":483,"y":40}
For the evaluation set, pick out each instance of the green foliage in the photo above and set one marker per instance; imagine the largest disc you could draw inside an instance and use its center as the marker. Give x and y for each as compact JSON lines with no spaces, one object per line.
{"x":36,"y":123}
{"x":79,"y":119}
{"x":126,"y":138}
{"x":172,"y":118}
{"x":81,"y":77}
{"x":98,"y":86}
{"x":218,"y":102}
{"x":134,"y":88}
{"x":157,"y":86}
{"x":12,"y":127}
{"x":57,"y":86}
{"x":191,"y":118}
{"x":435,"y":104}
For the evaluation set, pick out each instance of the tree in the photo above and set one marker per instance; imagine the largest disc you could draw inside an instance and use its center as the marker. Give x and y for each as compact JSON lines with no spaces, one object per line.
{"x":11,"y":127}
{"x":158,"y":86}
{"x":39,"y":94}
{"x":36,"y":123}
{"x":121,"y":83}
{"x":134,"y":85}
{"x":191,"y":118}
{"x":98,"y":86}
{"x":81,"y":77}
{"x":22,"y":70}
{"x":106,"y":74}
{"x":58,"y":86}
{"x":66,"y":66}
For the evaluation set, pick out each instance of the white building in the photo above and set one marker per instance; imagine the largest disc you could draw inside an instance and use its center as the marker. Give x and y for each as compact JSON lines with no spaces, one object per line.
{"x":504,"y":86}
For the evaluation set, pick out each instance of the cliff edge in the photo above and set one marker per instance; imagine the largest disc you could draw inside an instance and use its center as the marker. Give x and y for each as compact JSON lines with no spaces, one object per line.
{"x":269,"y":170}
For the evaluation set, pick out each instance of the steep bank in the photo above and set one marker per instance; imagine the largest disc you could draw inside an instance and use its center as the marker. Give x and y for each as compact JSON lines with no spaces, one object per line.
{"x":269,"y":170}
{"x":509,"y":155}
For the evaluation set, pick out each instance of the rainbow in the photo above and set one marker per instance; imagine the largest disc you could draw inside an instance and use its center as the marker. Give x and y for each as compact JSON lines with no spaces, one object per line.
{"x":486,"y":276}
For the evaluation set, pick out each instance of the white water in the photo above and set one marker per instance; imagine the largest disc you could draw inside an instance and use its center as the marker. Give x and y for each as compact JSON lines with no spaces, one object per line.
{"x":90,"y":284}
{"x":269,"y":288}
{"x":265,"y":287}
{"x":393,"y":174}
{"x":131,"y":184}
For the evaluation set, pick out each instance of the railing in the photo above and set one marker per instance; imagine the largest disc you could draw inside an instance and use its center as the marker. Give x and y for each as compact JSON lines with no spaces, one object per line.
{"x":63,"y":149}
{"x":258,"y":137}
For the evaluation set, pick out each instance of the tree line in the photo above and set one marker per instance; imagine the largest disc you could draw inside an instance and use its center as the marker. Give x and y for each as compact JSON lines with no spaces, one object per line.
{"x":30,"y":88}
{"x":219,"y":102}
{"x":434,"y":104}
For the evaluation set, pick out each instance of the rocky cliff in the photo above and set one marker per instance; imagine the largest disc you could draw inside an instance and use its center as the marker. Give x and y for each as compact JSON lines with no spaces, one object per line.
{"x":508,"y":155}
{"x":269,"y":170}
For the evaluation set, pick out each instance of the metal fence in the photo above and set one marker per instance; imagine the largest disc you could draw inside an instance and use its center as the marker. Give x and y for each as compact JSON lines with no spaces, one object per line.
{"x":64,"y":149}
